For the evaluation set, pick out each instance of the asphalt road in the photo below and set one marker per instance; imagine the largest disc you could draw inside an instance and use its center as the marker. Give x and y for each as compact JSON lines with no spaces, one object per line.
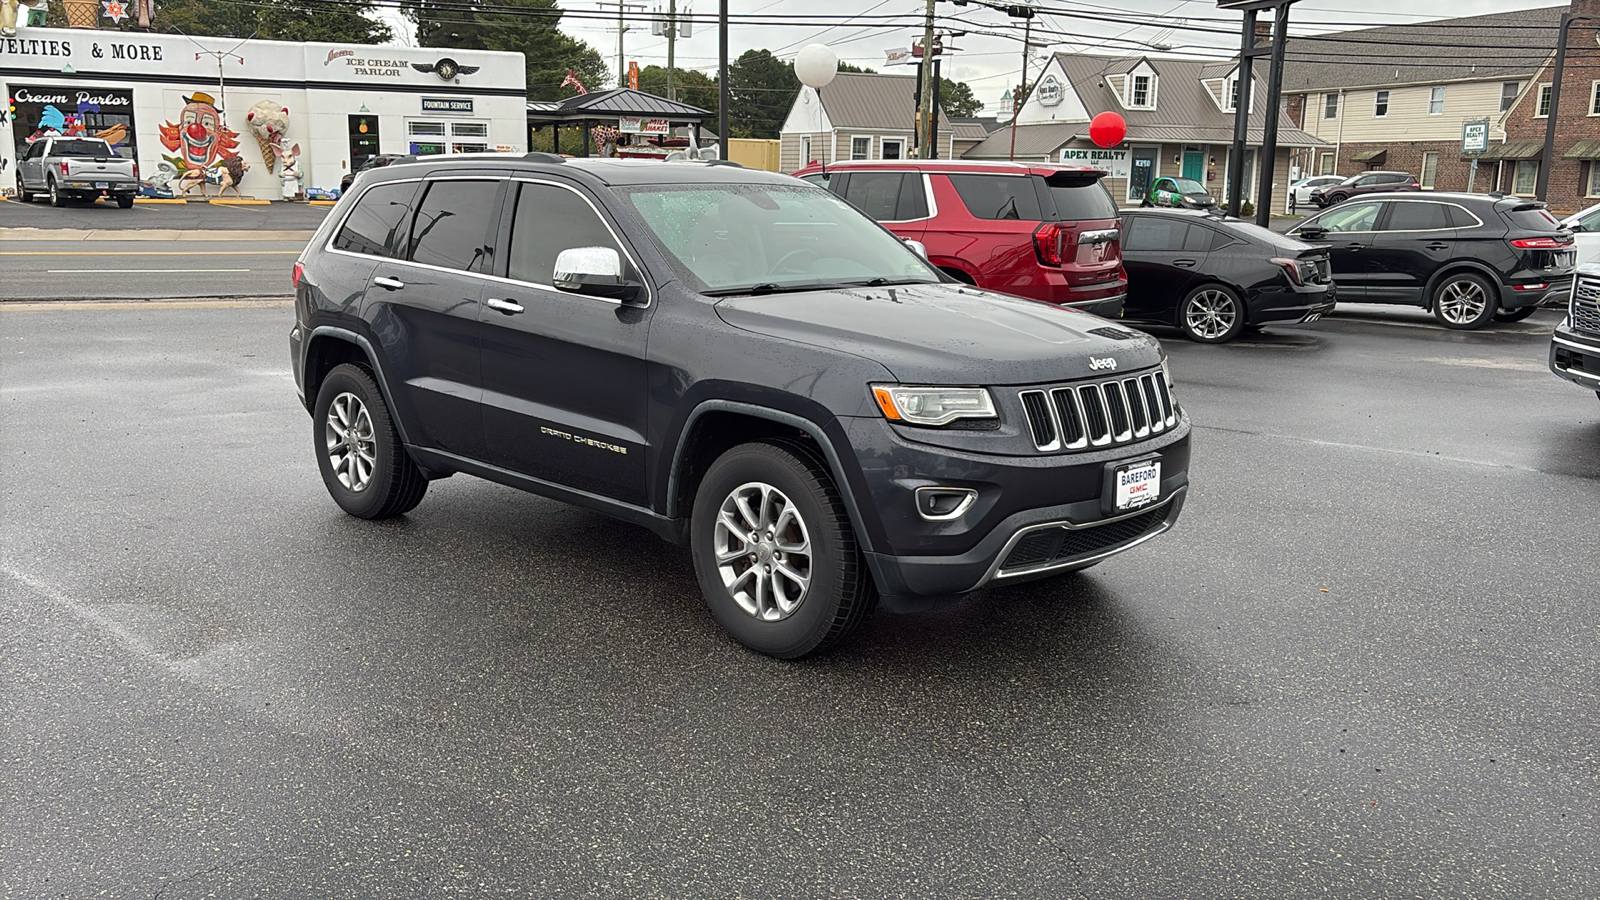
{"x":146,"y":270}
{"x":106,"y":216}
{"x":1364,"y":664}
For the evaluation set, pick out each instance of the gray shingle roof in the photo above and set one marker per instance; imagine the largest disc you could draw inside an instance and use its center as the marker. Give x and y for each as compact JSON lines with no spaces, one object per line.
{"x":1497,"y":45}
{"x":858,"y":100}
{"x":628,"y":102}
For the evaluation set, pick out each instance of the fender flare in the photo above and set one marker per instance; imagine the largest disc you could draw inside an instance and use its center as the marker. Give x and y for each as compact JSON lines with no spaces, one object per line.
{"x":812,"y":429}
{"x":360,"y":340}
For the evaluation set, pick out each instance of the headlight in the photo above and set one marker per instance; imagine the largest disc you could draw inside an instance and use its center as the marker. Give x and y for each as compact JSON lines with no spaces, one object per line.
{"x":1167,"y":374}
{"x":932,"y":405}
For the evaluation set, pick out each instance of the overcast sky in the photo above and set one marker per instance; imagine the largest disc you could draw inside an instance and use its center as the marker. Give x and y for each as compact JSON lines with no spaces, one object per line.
{"x":989,"y":64}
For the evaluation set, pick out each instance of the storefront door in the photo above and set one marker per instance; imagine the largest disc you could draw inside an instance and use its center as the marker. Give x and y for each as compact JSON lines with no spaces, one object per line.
{"x":363,"y":140}
{"x":1194,"y":165}
{"x":1142,"y":173}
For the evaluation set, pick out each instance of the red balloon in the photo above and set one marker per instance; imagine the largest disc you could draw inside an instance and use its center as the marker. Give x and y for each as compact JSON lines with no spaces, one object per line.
{"x":1107,"y":129}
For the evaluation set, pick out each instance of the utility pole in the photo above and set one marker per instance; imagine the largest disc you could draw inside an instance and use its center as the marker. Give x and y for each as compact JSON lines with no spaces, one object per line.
{"x":722,"y":78}
{"x":1026,"y":14}
{"x":1542,"y":182}
{"x":925,"y":110}
{"x":622,"y":29}
{"x":672,"y":46}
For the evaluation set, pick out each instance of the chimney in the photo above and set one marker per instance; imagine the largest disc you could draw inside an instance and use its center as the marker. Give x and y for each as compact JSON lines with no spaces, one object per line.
{"x":1264,"y":26}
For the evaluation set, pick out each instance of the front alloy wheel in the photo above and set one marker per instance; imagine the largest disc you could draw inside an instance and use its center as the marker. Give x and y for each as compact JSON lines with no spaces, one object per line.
{"x":1212,"y":314}
{"x":1463,"y":302}
{"x":763,"y":551}
{"x":352,"y":447}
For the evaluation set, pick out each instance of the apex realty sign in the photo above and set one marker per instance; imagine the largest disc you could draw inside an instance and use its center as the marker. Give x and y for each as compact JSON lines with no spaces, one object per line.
{"x":1115,"y":160}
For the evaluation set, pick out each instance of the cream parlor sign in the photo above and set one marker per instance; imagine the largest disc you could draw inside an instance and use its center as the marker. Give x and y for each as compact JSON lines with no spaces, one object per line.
{"x":365,"y":66}
{"x":1114,"y":161}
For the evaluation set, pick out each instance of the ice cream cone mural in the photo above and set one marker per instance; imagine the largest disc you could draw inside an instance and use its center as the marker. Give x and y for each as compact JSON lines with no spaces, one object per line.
{"x":199,"y":139}
{"x":268,"y":121}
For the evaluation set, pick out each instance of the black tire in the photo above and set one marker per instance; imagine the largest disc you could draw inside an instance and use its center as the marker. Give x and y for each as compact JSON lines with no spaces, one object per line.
{"x":959,"y":275}
{"x":839,"y":592}
{"x":1464,"y":301}
{"x":393,"y":484}
{"x":1211,"y":314}
{"x":57,"y":199}
{"x":22,"y":192}
{"x":1515,"y":315}
{"x":1335,"y":200}
{"x":1145,"y":203}
{"x":125,"y":202}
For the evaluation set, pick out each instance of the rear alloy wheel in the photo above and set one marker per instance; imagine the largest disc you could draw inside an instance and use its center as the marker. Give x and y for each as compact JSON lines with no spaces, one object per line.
{"x":363,"y":463}
{"x":1211,"y":314}
{"x":1515,"y":315}
{"x":56,"y":197}
{"x":775,"y":553}
{"x":1464,"y":302}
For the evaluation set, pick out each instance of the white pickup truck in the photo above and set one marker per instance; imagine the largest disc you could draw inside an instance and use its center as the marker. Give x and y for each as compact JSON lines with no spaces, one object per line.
{"x":68,"y":168}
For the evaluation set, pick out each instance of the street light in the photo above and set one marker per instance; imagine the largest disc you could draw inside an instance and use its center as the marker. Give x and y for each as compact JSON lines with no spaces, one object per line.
{"x":1543,"y":182}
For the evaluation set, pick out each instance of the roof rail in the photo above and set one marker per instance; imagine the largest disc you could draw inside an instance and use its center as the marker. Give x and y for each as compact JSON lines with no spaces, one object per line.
{"x":541,"y":156}
{"x":722,"y":162}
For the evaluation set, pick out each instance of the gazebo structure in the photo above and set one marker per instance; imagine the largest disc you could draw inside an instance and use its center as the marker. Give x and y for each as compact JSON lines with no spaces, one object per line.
{"x":637,"y":123}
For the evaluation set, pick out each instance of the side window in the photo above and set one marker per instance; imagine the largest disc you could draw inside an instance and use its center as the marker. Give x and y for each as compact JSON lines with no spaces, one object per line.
{"x":1200,"y":239}
{"x":1417,"y":216}
{"x":1356,"y":217}
{"x":452,"y":224}
{"x":377,"y":226}
{"x":1460,"y":218}
{"x":1366,"y":181}
{"x":875,"y":193}
{"x":1591,"y":222}
{"x":913,"y":200}
{"x":817,"y":178}
{"x":548,"y":220}
{"x":1155,"y":234}
{"x":998,"y":196}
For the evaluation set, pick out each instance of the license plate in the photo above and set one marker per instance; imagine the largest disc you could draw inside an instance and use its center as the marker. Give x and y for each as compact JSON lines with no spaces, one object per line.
{"x":1138,"y":485}
{"x":102,"y":185}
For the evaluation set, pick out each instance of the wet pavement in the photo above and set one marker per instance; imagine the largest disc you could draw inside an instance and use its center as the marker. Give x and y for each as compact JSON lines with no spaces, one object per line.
{"x":1364,"y":664}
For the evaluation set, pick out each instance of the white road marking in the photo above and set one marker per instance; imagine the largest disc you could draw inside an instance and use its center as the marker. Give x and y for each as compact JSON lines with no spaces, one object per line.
{"x":131,"y":271}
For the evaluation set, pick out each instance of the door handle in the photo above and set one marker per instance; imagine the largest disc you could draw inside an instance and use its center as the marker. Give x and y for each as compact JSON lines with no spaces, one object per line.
{"x":508,"y":307}
{"x":1438,"y":246}
{"x":1184,"y":263}
{"x":388,"y":284}
{"x":1354,"y":246}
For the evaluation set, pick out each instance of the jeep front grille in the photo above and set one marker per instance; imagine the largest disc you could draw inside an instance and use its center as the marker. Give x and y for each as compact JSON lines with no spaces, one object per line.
{"x":1049,"y":547}
{"x":1586,"y":304}
{"x":1101,"y":414}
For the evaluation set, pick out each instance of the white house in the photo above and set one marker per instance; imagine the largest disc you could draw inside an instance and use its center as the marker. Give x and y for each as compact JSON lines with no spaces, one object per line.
{"x":858,"y":116}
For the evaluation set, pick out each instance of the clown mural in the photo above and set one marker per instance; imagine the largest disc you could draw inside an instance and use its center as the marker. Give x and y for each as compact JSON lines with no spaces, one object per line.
{"x":200,"y":140}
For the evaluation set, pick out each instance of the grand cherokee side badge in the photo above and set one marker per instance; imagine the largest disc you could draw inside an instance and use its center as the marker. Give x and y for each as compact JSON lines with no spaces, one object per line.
{"x":1097,"y":363}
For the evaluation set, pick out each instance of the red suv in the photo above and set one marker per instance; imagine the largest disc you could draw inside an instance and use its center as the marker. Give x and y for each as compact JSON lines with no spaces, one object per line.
{"x":1040,"y":231}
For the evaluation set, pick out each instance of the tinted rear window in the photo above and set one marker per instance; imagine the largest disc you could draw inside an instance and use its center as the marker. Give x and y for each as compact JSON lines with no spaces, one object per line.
{"x":875,"y":193}
{"x":998,"y":196}
{"x":1533,"y":218}
{"x":1154,"y":233}
{"x":1418,"y":215}
{"x":1077,"y":197}
{"x":80,"y":148}
{"x":452,"y":223}
{"x":376,"y":226}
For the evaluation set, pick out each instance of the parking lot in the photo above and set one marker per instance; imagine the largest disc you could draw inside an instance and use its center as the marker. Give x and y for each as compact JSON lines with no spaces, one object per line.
{"x":1363,"y":665}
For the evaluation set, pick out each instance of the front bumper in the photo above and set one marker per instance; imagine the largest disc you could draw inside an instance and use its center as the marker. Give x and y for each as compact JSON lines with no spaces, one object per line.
{"x":1034,"y":515}
{"x":1575,"y":356}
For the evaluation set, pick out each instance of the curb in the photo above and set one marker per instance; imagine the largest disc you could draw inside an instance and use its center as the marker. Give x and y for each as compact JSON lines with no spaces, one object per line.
{"x":264,"y":301}
{"x":154,"y":234}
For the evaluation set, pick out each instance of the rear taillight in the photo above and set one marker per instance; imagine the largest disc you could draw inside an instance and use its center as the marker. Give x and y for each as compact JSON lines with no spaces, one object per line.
{"x":135,"y":170}
{"x":64,"y":167}
{"x":1539,"y":243}
{"x":1292,"y":266}
{"x":1047,"y":244}
{"x":299,"y":269}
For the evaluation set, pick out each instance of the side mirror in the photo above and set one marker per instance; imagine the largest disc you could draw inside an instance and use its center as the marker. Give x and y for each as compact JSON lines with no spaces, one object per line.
{"x":593,"y":272}
{"x":1576,"y":227}
{"x":918,"y":248}
{"x":1311,"y":233}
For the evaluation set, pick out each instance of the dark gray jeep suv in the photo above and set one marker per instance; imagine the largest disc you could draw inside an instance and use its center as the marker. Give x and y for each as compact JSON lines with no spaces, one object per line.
{"x":735,"y":360}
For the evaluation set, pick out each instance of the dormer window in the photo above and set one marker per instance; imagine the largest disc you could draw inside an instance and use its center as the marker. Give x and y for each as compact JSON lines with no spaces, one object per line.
{"x":1141,"y":91}
{"x":1233,"y":94}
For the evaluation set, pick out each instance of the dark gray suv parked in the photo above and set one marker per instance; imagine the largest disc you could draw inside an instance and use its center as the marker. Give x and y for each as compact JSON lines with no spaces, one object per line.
{"x":737,"y":361}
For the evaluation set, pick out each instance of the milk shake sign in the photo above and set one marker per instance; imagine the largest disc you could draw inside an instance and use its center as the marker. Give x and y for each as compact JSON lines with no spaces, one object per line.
{"x":1113,"y":161}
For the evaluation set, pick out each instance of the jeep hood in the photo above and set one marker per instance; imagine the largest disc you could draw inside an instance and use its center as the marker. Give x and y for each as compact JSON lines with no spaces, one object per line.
{"x":948,"y":333}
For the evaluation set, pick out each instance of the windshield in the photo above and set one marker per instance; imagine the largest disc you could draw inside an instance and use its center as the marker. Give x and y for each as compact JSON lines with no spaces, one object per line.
{"x":1186,"y":186}
{"x":762,"y":238}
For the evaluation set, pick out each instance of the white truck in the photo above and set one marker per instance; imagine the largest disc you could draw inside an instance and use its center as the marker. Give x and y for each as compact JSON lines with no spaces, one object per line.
{"x":76,"y":168}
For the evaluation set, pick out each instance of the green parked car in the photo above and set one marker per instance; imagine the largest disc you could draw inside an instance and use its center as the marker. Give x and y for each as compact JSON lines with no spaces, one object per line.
{"x":1179,"y":193}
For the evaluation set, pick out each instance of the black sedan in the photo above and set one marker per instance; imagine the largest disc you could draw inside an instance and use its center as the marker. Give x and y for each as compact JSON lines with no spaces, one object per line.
{"x":1214,"y":277}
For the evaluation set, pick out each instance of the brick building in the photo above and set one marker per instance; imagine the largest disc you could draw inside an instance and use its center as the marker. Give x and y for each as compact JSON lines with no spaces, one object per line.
{"x":1396,"y":97}
{"x":1574,"y":181}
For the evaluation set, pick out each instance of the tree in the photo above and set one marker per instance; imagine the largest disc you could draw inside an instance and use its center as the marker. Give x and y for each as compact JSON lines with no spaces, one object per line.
{"x":858,"y":70}
{"x":529,"y":27}
{"x":761,"y":89}
{"x":276,"y":20}
{"x":956,"y":99}
{"x":694,"y":87}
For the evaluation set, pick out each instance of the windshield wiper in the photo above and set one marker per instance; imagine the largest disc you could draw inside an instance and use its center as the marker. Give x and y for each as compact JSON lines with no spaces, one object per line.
{"x":881,"y":281}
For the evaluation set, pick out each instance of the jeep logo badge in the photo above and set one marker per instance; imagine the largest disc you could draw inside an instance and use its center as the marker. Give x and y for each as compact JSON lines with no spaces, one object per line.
{"x":1107,"y":363}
